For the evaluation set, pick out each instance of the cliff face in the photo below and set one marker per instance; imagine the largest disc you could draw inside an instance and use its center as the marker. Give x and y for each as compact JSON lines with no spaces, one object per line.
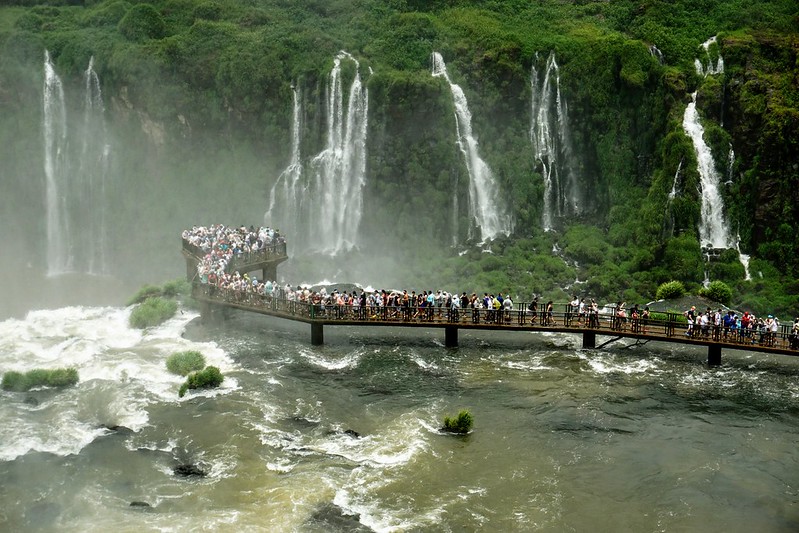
{"x":199,"y":105}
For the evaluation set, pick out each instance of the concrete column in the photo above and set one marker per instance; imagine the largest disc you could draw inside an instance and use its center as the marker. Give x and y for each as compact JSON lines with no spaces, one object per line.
{"x":589,"y":339}
{"x":451,"y":336}
{"x":317,"y":334}
{"x":714,"y":355}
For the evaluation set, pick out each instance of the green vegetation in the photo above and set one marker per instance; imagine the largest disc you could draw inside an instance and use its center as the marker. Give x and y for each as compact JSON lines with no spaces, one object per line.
{"x":57,"y":378}
{"x":183,"y":363}
{"x":204,"y":379}
{"x":670,"y":290}
{"x":152,"y":312}
{"x":718,"y":291}
{"x":202,"y":91}
{"x":461,"y":424}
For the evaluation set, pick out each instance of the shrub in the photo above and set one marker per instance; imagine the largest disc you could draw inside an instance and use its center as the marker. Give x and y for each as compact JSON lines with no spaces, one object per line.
{"x":148,"y":291}
{"x":176,"y":287}
{"x":142,"y":22}
{"x":670,"y":290}
{"x":152,"y":312}
{"x":461,"y":424}
{"x":39,"y":377}
{"x":718,"y":291}
{"x":204,"y":379}
{"x":183,"y":363}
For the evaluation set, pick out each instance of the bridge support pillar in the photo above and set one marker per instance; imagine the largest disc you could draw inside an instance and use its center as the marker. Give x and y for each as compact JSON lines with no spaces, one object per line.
{"x":589,"y":339}
{"x":211,"y":313}
{"x":714,"y":355}
{"x":317,"y":334}
{"x":451,"y":336}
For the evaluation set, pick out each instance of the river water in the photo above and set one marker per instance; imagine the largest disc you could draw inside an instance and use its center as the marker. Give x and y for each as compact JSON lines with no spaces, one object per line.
{"x":626,"y":438}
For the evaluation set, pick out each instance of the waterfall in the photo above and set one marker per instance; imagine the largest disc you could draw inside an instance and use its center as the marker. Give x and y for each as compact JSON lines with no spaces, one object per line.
{"x":712,"y":226}
{"x":551,"y":142}
{"x":707,"y":68}
{"x":285,"y":199}
{"x":673,"y":193}
{"x":486,"y":206}
{"x":92,"y":238}
{"x":730,"y":166}
{"x":75,"y":182}
{"x":656,"y":53}
{"x":322,"y":201}
{"x":56,"y":171}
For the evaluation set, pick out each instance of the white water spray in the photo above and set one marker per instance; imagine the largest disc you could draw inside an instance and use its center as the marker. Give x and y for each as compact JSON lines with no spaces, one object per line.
{"x":328,"y":203}
{"x":712,"y":226}
{"x":551,"y":141}
{"x":707,"y":67}
{"x":486,"y":207}
{"x":76,"y":205}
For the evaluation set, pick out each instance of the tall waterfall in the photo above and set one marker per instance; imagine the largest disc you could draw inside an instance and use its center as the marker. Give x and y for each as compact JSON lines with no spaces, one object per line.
{"x":551,"y":142}
{"x":76,"y":205}
{"x":56,"y":170}
{"x":486,"y":207}
{"x":285,"y":199}
{"x":322,"y":201}
{"x":713,"y":229}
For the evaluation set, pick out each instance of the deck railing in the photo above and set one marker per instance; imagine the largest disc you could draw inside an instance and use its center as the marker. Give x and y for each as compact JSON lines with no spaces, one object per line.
{"x":566,"y":317}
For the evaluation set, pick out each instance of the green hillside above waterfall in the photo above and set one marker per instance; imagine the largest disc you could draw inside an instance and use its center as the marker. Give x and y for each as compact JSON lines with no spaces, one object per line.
{"x":199,"y":102}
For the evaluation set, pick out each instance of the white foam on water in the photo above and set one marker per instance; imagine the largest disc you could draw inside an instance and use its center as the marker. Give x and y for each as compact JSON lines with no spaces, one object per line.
{"x":121,"y":370}
{"x":607,"y":364}
{"x":350,"y":360}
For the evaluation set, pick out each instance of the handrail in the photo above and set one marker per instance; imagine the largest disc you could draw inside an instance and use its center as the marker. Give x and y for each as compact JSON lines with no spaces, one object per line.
{"x":241,"y":260}
{"x":510,"y":319}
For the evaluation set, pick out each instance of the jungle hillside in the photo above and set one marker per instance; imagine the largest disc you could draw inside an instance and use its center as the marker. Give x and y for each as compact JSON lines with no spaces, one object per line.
{"x":578,"y":132}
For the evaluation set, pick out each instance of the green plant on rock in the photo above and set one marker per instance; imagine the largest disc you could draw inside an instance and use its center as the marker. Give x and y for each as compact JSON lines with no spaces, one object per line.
{"x":39,"y":377}
{"x":461,"y":424}
{"x":718,"y":291}
{"x":205,"y":379}
{"x":184,"y":363}
{"x":670,"y":290}
{"x":152,"y":312}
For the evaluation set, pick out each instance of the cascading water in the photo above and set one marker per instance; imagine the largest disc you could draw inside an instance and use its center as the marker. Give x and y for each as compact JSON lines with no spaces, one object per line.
{"x":328,"y":202}
{"x":92,"y":238}
{"x":285,"y":199}
{"x":707,"y":67}
{"x":656,"y":53}
{"x":56,"y":170}
{"x":551,"y":141}
{"x":712,"y":226}
{"x":673,"y":192}
{"x":486,"y":207}
{"x":75,"y":181}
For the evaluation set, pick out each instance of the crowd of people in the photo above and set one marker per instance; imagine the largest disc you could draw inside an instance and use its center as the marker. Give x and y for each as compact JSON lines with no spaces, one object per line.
{"x":221,"y":243}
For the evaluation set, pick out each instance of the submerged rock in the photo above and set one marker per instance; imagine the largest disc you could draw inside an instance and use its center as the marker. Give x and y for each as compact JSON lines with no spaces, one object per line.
{"x":330,"y":517}
{"x":139,"y":504}
{"x":189,"y":470}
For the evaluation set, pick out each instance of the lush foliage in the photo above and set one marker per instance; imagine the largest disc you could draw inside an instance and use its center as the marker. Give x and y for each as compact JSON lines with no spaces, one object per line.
{"x":21,"y":382}
{"x":670,"y":290}
{"x":152,"y":312}
{"x":718,"y":291}
{"x":460,"y":424}
{"x":199,"y":92}
{"x":208,"y":378}
{"x":183,"y":363}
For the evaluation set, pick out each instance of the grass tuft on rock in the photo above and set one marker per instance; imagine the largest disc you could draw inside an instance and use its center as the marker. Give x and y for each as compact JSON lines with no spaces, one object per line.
{"x":461,"y":424}
{"x":152,"y":312}
{"x":184,"y":363}
{"x":209,"y":378}
{"x":39,"y":377}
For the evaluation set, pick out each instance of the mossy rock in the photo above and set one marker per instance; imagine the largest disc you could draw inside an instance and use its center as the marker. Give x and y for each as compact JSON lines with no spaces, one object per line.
{"x":461,"y":424}
{"x":39,"y":377}
{"x":209,"y":378}
{"x":184,"y":363}
{"x":152,"y":312}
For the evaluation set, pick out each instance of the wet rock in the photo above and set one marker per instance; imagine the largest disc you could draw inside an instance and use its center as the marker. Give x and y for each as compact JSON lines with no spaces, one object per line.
{"x":116,"y":428}
{"x":189,"y":470}
{"x":139,"y":504}
{"x":30,"y":400}
{"x":352,"y":433}
{"x":332,"y":518}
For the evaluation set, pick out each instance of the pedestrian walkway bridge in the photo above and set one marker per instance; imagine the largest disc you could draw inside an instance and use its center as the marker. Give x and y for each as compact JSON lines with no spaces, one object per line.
{"x":668,"y":327}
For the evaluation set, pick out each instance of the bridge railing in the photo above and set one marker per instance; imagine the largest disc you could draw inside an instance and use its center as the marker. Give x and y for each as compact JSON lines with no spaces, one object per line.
{"x":240,"y":261}
{"x":664,"y":325}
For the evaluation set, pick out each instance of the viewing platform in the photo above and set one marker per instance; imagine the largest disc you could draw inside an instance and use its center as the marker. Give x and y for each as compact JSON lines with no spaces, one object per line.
{"x":266,"y":260}
{"x":670,"y":330}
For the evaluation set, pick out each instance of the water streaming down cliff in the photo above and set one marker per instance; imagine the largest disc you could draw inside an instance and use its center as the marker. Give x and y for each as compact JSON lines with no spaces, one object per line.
{"x":705,"y":65}
{"x":486,"y":207}
{"x":323,"y":200}
{"x":551,"y":142}
{"x":75,"y":180}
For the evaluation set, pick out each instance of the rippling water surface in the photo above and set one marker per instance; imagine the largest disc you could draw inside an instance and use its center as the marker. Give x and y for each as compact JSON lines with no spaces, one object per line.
{"x":345,"y":437}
